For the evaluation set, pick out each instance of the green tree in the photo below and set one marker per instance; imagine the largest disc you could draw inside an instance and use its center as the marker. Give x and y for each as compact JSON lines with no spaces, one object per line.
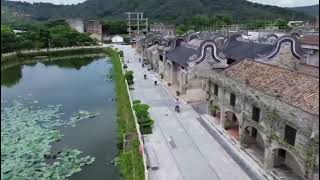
{"x":8,"y":39}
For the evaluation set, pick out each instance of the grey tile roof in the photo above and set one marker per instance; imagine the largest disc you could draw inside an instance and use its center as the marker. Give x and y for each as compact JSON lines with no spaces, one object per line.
{"x":180,"y":54}
{"x":239,"y":50}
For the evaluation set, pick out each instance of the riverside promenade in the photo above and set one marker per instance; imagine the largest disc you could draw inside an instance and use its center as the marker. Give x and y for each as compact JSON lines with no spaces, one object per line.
{"x":184,"y":148}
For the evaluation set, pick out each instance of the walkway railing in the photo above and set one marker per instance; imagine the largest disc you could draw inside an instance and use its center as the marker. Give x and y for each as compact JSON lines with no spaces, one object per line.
{"x":146,"y":176}
{"x":50,"y":50}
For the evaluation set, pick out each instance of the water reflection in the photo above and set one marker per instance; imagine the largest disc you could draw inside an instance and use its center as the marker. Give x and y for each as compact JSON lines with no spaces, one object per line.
{"x":60,"y":82}
{"x":11,"y":76}
{"x":74,"y":63}
{"x":12,"y":73}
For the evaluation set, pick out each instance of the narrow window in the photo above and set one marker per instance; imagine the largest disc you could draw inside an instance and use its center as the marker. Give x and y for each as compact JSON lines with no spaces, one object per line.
{"x":215,"y":89}
{"x":232,"y":99}
{"x":282,"y":153}
{"x":161,"y":57}
{"x":254,"y":132}
{"x":255,"y":114}
{"x":290,"y":135}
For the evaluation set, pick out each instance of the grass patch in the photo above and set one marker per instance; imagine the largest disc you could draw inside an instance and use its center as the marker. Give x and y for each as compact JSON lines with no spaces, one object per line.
{"x":130,"y":160}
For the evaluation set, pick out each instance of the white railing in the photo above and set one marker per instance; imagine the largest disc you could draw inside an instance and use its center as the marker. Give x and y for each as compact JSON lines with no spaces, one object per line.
{"x":137,"y":126}
{"x":51,"y":49}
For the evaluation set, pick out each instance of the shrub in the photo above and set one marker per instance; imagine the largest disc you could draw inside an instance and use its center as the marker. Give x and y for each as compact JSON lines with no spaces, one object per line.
{"x":129,"y":77}
{"x":136,"y":102}
{"x":125,"y":66}
{"x":146,"y":130}
{"x":144,"y":120}
{"x":121,"y":53}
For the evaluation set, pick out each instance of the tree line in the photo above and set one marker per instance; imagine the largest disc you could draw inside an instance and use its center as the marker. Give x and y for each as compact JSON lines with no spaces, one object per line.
{"x":51,"y":34}
{"x":201,"y":22}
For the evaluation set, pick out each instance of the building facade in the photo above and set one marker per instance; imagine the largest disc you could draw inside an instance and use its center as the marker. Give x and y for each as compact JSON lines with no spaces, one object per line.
{"x":94,"y":27}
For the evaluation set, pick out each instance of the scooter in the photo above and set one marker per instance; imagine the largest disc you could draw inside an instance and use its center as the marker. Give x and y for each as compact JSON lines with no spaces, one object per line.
{"x":177,"y":109}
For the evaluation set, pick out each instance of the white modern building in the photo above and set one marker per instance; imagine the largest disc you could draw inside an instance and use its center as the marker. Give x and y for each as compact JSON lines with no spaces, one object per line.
{"x":117,"y":39}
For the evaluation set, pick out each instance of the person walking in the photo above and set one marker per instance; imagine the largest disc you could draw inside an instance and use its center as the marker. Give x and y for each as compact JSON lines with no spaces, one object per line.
{"x":155,"y":80}
{"x":177,"y":105}
{"x":145,"y":74}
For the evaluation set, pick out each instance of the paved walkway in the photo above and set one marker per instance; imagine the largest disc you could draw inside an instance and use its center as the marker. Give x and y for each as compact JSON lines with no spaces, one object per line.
{"x":184,"y":148}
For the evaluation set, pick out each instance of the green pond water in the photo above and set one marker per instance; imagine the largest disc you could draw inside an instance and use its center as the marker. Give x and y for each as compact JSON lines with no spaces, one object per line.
{"x":62,"y":87}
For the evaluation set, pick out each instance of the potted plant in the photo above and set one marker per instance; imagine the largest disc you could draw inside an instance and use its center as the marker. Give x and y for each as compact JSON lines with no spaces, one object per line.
{"x":214,"y":111}
{"x":227,"y":124}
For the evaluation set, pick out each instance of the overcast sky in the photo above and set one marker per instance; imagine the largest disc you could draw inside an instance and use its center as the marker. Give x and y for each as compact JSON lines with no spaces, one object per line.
{"x":282,"y":3}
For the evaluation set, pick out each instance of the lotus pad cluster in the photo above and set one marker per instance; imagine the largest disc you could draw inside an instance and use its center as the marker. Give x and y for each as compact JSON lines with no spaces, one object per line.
{"x":26,"y":138}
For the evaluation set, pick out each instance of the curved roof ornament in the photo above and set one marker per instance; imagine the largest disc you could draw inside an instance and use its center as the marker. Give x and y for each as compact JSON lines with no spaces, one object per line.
{"x":156,"y":41}
{"x":177,"y":41}
{"x":294,"y":46}
{"x":295,"y":35}
{"x":191,"y":32}
{"x":202,"y":53}
{"x":204,"y":35}
{"x":169,"y":42}
{"x":152,"y":37}
{"x":192,"y":36}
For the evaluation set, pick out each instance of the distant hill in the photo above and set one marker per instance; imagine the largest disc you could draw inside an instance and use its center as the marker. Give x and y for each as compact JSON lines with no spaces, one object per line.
{"x":309,"y":10}
{"x":176,"y":11}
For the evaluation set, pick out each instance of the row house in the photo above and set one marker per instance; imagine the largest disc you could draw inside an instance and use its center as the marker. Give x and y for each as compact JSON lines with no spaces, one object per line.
{"x":262,"y":94}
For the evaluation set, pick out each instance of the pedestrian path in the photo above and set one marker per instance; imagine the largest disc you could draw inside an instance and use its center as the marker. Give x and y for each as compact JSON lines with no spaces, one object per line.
{"x":185,"y":150}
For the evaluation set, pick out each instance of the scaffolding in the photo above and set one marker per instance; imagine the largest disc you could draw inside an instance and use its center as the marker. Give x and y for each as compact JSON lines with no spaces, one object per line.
{"x":136,"y":23}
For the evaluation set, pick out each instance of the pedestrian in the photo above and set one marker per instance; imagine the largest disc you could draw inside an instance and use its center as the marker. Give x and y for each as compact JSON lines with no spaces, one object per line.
{"x":177,"y":105}
{"x":155,"y":80}
{"x":145,"y":74}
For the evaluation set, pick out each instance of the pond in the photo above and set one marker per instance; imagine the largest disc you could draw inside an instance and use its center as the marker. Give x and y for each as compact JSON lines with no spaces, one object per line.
{"x":71,"y":88}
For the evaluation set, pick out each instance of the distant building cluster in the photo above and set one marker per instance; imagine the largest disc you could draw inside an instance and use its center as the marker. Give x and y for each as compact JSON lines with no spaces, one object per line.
{"x":165,"y":30}
{"x":93,"y":27}
{"x":261,"y":91}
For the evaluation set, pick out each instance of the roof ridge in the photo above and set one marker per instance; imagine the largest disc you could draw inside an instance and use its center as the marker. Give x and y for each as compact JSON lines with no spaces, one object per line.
{"x":277,"y":66}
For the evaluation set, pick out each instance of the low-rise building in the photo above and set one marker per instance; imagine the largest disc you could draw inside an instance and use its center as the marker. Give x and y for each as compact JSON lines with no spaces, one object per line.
{"x":165,"y":30}
{"x":94,"y":28}
{"x":117,"y":39}
{"x":310,"y":43}
{"x":263,"y":94}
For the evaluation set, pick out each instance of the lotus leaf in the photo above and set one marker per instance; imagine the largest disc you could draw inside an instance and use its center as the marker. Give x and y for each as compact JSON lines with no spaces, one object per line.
{"x":27,"y":135}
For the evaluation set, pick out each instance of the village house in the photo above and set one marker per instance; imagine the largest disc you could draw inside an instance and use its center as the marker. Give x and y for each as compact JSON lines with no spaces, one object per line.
{"x":310,"y":43}
{"x":271,"y":109}
{"x":262,"y":93}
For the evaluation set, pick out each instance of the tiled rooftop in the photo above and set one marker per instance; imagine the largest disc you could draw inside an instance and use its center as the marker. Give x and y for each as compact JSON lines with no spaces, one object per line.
{"x":294,"y":88}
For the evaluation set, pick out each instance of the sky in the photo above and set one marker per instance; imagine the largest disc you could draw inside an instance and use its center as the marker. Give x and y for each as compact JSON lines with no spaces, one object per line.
{"x":281,"y":3}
